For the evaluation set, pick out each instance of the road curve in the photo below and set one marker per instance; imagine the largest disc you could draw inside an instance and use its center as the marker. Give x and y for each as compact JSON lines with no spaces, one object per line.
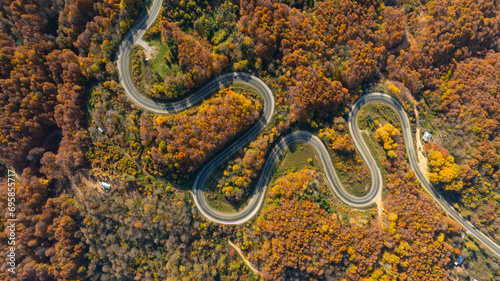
{"x":263,"y":90}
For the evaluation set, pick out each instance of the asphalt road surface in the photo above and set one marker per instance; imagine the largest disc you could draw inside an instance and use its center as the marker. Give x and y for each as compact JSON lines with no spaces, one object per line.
{"x":263,"y":90}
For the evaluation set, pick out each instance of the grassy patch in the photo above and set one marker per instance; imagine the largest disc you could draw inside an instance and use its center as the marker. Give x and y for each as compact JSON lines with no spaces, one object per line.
{"x":373,"y":116}
{"x":378,"y":154}
{"x":296,"y":158}
{"x":161,"y":76}
{"x":164,"y":54}
{"x":354,"y":175}
{"x":376,"y":113}
{"x":426,"y":116}
{"x":218,"y":201}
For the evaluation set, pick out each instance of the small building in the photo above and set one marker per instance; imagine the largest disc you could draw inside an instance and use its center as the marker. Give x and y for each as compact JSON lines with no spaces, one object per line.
{"x":105,"y":185}
{"x":427,"y":137}
{"x":100,"y":130}
{"x":459,"y":260}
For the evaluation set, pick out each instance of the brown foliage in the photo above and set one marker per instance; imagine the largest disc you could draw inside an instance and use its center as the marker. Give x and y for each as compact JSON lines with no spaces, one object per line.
{"x":298,"y":234}
{"x":312,"y":91}
{"x":195,"y":58}
{"x":186,"y":140}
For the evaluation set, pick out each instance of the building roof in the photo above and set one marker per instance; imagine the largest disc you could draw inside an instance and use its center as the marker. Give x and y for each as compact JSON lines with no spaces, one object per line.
{"x":459,"y":260}
{"x":105,"y":185}
{"x":427,"y":136}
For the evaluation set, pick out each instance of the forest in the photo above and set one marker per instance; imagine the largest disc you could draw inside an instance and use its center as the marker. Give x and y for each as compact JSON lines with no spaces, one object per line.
{"x":66,"y":124}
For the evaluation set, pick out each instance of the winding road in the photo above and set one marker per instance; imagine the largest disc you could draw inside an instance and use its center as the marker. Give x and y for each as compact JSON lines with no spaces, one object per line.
{"x":252,"y":207}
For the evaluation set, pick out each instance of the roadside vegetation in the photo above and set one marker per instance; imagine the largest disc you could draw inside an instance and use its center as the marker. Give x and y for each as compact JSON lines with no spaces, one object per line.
{"x":297,"y":157}
{"x":479,"y":263}
{"x":379,"y":124}
{"x":149,"y":70}
{"x":348,"y":163}
{"x":58,"y":75}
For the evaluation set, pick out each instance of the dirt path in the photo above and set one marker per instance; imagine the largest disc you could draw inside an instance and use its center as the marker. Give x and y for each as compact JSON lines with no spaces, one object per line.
{"x":247,"y":262}
{"x":380,"y":206}
{"x":149,"y":51}
{"x":422,"y":160}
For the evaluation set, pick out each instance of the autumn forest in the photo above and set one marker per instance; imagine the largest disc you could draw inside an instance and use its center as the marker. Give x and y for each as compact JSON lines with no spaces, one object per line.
{"x":66,"y":124}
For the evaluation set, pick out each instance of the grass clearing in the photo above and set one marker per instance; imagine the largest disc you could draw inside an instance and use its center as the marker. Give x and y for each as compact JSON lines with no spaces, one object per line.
{"x":378,"y":154}
{"x":352,"y":172}
{"x":426,"y":116}
{"x":378,"y":113}
{"x":218,"y":201}
{"x":296,"y":158}
{"x":160,"y":77}
{"x":159,"y":62}
{"x":375,"y":113}
{"x":371,"y":117}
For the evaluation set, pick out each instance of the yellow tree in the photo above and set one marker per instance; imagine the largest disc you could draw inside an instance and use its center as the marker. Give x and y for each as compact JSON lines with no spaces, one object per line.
{"x":444,"y":171}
